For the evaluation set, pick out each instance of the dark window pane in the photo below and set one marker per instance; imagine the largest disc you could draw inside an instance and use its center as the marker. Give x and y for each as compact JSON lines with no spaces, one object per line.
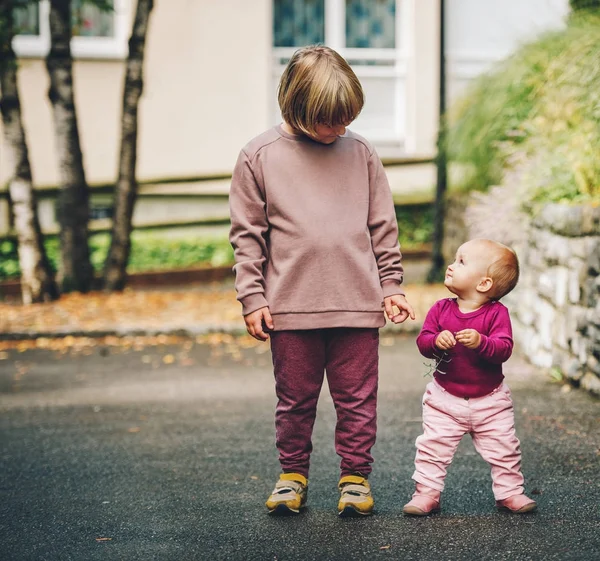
{"x":90,"y":21}
{"x":298,"y":22}
{"x":371,"y":24}
{"x":26,"y":19}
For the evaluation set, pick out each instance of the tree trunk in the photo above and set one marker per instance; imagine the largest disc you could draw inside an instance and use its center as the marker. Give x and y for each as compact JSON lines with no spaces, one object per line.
{"x":37,"y":278}
{"x":115,"y":269}
{"x":75,"y":271}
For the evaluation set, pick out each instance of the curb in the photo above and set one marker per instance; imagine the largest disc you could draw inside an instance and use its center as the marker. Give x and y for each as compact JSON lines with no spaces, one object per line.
{"x":185,"y":332}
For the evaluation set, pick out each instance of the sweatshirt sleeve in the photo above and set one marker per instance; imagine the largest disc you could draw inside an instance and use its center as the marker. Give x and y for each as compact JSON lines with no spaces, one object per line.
{"x":429,"y":331}
{"x":249,"y":227}
{"x":384,"y":229}
{"x":497,"y":345}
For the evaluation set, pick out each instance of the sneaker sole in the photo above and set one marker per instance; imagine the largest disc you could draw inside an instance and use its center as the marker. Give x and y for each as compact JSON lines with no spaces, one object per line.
{"x":524,"y":510}
{"x":413,"y":511}
{"x":284,"y":510}
{"x":351,"y":512}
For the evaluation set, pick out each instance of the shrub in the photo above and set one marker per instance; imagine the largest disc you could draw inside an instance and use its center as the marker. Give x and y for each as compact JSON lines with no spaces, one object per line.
{"x":540,"y":108}
{"x":149,"y":252}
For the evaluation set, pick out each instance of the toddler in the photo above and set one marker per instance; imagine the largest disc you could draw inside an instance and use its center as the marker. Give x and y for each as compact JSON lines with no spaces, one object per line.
{"x":469,"y":337}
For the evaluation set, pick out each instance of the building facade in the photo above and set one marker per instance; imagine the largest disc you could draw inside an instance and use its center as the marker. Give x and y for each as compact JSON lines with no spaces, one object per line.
{"x":212,"y":67}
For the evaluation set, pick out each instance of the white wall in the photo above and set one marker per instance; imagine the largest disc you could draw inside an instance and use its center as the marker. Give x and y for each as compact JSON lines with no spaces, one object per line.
{"x":207,"y":74}
{"x":208,"y":85}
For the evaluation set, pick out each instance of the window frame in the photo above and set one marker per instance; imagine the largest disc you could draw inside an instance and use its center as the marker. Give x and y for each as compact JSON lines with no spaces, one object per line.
{"x":82,"y":47}
{"x":397,"y":69}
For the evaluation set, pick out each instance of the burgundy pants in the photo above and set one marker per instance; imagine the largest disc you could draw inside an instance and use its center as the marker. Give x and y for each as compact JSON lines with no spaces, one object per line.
{"x":350,"y":357}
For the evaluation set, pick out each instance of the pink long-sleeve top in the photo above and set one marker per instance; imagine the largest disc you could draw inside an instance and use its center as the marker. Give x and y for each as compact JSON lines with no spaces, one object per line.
{"x":461,"y":371}
{"x":314,"y":231}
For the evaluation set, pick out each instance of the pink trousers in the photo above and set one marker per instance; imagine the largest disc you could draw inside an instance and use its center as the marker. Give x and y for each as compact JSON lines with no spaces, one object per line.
{"x":350,"y":358}
{"x":491,"y":423}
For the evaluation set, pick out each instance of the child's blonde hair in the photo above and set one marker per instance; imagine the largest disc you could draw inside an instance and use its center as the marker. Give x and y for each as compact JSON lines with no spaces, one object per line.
{"x":503,"y":270}
{"x":319,"y":87}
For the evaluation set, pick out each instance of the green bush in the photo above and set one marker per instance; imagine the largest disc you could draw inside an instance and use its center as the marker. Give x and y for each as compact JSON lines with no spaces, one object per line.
{"x":541,"y":109}
{"x":584,"y":4}
{"x":415,"y":225}
{"x":149,"y":252}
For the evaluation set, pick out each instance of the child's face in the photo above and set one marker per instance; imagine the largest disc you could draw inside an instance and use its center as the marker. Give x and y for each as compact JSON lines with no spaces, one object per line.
{"x":468,"y":270}
{"x":326,"y":134}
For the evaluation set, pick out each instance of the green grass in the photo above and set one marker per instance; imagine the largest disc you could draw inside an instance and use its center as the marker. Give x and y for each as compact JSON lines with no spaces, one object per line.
{"x":149,"y":252}
{"x":539,"y":110}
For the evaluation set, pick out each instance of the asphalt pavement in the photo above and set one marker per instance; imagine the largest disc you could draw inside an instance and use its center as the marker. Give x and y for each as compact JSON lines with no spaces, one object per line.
{"x":167,"y":453}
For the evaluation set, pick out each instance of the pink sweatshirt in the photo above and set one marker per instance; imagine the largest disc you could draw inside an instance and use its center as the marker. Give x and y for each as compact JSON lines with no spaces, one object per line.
{"x":468,"y":372}
{"x":314,"y":231}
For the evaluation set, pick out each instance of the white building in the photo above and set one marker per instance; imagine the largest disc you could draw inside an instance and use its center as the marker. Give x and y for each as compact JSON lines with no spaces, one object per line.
{"x":210,"y":84}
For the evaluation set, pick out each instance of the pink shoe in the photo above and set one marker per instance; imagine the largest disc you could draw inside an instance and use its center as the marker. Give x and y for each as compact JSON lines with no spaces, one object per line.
{"x":517,"y":504}
{"x":425,"y":501}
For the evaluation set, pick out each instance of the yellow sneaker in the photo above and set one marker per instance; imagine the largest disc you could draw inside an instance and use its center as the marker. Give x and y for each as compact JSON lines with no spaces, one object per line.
{"x":289,"y":495}
{"x":355,"y":496}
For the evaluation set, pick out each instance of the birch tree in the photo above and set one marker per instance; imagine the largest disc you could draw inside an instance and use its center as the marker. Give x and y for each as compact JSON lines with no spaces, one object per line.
{"x":115,"y":269}
{"x":75,"y":270}
{"x":37,"y":277}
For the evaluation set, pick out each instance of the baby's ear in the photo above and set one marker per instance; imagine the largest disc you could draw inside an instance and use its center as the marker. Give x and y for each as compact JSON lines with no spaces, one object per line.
{"x":485,"y":284}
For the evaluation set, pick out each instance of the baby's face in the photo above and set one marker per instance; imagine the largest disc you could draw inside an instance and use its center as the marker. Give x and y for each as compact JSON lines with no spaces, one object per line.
{"x":469,"y":268}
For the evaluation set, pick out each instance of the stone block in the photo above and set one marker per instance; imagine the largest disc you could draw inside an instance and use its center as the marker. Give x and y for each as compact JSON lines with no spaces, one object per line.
{"x":569,"y":221}
{"x":575,"y":280}
{"x":572,"y":368}
{"x":546,"y":316}
{"x":593,"y":257}
{"x":593,"y":364}
{"x":590,"y":382}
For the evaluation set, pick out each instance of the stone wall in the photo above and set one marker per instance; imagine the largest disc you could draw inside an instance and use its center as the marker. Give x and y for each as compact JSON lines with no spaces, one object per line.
{"x":555,"y":308}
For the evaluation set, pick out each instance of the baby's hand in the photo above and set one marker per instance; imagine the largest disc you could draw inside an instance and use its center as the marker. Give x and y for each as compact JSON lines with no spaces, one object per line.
{"x":469,"y":338}
{"x":445,"y":340}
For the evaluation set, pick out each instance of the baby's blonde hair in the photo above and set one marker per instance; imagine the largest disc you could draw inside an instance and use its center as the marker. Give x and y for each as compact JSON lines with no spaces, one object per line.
{"x":319,"y":87}
{"x":503,"y":269}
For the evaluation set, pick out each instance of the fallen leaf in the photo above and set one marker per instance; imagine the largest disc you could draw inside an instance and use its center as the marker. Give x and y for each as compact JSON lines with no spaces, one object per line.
{"x":168,"y":359}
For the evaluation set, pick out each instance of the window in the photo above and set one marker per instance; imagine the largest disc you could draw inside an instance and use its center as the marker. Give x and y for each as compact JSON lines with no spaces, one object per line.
{"x":298,"y":22}
{"x":90,"y":21}
{"x":27,"y":20}
{"x":371,"y":24}
{"x":96,"y":33}
{"x":365,"y":32}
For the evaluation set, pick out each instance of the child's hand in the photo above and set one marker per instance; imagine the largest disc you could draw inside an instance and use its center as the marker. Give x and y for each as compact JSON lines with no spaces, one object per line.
{"x":257,"y":321}
{"x":404,"y":308}
{"x":469,"y":338}
{"x":445,"y":340}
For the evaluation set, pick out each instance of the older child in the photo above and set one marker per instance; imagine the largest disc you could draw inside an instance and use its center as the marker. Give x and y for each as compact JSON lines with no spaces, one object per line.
{"x":317,"y":261}
{"x":469,"y":337}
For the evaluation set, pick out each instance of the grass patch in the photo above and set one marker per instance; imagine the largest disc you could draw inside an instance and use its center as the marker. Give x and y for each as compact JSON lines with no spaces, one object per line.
{"x":540,"y":110}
